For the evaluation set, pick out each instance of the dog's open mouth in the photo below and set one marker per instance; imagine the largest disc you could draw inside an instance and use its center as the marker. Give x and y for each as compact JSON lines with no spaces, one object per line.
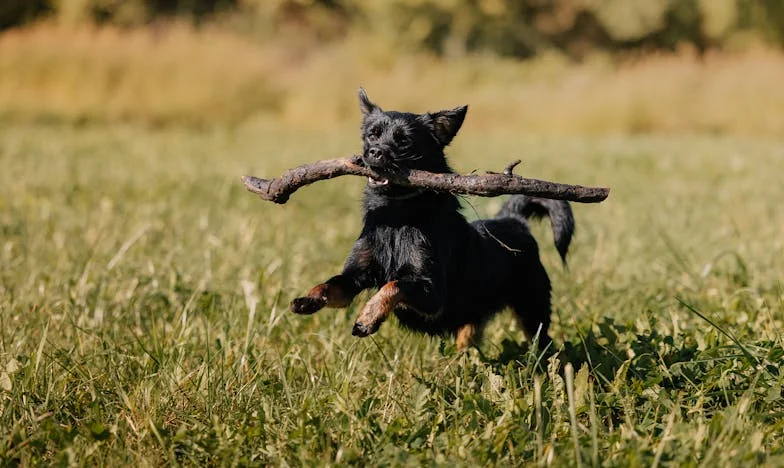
{"x":380,"y":182}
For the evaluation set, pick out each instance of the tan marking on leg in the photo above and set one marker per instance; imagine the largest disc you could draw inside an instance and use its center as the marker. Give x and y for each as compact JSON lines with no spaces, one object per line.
{"x":468,"y":335}
{"x":332,"y":294}
{"x":378,"y":309}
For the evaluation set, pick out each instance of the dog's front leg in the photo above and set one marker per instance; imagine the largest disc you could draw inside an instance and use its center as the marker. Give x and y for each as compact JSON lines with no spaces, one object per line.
{"x":377,"y":309}
{"x":417,"y":295}
{"x":337,"y":291}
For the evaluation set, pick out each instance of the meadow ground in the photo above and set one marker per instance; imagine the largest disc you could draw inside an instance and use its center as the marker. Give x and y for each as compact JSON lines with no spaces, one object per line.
{"x":143,"y":309}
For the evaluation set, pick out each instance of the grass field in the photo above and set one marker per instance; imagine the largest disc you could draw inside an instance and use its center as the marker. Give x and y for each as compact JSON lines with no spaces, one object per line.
{"x":143,"y":309}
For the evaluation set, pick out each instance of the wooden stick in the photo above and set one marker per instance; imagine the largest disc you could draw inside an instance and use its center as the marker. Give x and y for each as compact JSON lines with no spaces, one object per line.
{"x":279,"y":190}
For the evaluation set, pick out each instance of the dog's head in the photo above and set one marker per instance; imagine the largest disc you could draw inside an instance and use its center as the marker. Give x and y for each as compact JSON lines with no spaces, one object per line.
{"x":396,"y":141}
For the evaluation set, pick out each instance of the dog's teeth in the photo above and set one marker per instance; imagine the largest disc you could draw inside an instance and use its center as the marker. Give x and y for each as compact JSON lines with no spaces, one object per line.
{"x":373,"y":181}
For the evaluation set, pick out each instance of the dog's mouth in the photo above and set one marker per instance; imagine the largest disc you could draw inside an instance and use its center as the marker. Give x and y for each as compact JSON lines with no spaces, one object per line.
{"x":378,"y":182}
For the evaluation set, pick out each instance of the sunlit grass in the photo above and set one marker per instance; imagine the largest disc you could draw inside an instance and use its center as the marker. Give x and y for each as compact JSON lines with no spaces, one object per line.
{"x":143,"y":303}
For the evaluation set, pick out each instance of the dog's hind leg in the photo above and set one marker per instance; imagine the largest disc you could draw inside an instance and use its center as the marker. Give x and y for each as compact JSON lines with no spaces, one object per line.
{"x":469,"y":334}
{"x":533,"y":328}
{"x":531,"y":305}
{"x":534,"y":318}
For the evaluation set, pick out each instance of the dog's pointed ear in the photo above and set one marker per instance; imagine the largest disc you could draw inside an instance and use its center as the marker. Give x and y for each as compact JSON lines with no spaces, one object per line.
{"x":446,"y":123}
{"x":365,"y":104}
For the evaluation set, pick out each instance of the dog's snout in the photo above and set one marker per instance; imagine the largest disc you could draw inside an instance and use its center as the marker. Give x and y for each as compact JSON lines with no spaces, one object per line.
{"x":376,"y":153}
{"x":377,"y":156}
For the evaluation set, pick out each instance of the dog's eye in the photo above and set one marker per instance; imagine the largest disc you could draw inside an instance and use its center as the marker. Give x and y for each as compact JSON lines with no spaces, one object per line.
{"x":374,"y":133}
{"x":400,"y":137}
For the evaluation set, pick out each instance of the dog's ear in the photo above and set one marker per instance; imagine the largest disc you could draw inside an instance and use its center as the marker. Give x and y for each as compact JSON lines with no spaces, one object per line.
{"x":365,"y":104}
{"x":446,"y":123}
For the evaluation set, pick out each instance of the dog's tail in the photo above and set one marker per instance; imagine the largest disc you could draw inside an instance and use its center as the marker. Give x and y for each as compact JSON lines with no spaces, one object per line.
{"x":559,"y":212}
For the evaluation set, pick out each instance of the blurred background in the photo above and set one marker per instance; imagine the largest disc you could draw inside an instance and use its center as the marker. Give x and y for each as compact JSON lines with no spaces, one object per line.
{"x":539,"y":66}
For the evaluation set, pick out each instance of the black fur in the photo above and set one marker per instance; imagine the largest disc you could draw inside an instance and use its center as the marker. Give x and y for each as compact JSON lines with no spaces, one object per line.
{"x":451,"y":273}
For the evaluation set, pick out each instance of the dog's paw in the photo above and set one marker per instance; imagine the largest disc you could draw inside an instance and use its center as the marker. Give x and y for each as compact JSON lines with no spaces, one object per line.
{"x":361,"y":330}
{"x":307,"y":305}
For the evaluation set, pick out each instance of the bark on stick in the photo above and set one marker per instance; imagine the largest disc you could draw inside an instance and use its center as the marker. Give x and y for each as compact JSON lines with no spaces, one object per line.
{"x":491,"y":184}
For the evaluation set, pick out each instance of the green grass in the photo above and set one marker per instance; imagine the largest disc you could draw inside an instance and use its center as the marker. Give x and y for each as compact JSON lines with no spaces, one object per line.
{"x":143,"y":315}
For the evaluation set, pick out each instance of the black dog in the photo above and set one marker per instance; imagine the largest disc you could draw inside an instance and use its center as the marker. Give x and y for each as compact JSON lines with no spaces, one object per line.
{"x":436,"y":272}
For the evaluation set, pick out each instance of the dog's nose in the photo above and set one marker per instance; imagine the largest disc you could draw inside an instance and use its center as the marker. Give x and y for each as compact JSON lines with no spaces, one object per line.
{"x":375,"y":153}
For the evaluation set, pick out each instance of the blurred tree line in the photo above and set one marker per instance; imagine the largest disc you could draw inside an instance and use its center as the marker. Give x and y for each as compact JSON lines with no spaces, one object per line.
{"x":518,"y":28}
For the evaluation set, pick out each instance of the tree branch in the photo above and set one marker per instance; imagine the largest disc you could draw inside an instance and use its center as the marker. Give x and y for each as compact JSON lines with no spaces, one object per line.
{"x":279,"y":190}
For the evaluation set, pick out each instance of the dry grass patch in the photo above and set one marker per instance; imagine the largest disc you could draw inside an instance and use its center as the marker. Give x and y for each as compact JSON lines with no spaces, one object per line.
{"x":167,"y":75}
{"x":175,"y":74}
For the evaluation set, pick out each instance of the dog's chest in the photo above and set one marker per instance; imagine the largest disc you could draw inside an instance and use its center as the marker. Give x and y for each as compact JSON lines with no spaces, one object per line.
{"x":399,"y":250}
